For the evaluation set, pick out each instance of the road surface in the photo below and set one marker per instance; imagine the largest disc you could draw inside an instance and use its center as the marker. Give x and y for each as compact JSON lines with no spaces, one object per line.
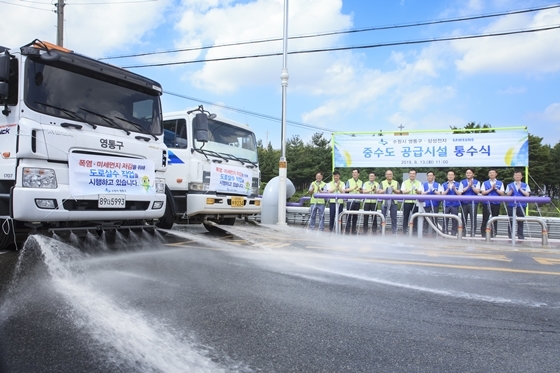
{"x":277,"y":299}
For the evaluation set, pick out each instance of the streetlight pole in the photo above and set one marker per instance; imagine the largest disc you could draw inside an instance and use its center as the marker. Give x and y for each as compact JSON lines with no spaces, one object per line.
{"x":283,"y":164}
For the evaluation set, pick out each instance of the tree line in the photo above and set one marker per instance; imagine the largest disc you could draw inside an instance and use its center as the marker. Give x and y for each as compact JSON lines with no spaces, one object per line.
{"x":306,"y":159}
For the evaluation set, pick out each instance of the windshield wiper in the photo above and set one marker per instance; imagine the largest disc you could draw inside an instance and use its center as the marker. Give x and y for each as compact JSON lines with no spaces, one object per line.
{"x":139,"y":127}
{"x":210,"y":152}
{"x":248,"y":161}
{"x":70,"y":113}
{"x":241,"y":160}
{"x":107,"y":120}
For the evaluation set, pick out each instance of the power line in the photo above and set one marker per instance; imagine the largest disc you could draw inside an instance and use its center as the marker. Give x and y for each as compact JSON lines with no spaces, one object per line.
{"x":252,"y":113}
{"x":66,"y":4}
{"x":330,"y":33}
{"x":27,"y":6}
{"x":114,"y":2}
{"x":36,"y":2}
{"x":366,"y":46}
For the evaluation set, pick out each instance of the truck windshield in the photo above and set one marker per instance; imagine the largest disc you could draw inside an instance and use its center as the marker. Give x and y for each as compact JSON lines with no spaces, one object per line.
{"x":230,"y":140}
{"x":75,"y":93}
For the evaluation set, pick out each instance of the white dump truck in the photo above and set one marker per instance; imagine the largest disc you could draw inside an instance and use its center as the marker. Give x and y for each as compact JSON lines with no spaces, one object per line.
{"x":81,"y":144}
{"x":213,"y":172}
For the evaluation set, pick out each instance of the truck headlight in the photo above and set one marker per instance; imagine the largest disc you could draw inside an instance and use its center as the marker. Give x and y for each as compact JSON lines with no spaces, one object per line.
{"x":160,"y":185}
{"x":39,"y":178}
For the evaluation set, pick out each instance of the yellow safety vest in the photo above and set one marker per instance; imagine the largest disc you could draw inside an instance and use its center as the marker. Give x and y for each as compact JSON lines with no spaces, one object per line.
{"x":351,"y":185}
{"x":408,"y":185}
{"x":394,"y":184}
{"x":317,"y":188}
{"x":336,"y":189}
{"x":370,"y":188}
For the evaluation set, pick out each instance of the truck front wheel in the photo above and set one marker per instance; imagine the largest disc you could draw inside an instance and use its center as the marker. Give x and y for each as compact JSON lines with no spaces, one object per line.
{"x":167,"y":220}
{"x":6,"y":233}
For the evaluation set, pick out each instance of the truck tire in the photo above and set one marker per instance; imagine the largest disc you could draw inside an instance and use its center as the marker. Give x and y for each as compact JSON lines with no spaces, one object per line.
{"x":168,"y":218}
{"x":6,"y":238}
{"x":228,"y":221}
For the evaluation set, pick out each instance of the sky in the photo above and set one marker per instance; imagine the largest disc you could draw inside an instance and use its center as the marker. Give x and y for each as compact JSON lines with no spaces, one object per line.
{"x":504,"y":81}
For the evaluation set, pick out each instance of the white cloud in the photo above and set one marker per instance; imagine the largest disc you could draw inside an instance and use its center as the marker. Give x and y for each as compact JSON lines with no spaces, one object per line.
{"x":358,"y":90}
{"x":432,"y":120}
{"x":535,"y":52}
{"x":258,"y":20}
{"x":552,"y":113}
{"x":512,"y":90}
{"x":422,"y":97}
{"x":546,"y":123}
{"x":474,"y":5}
{"x":368,"y":89}
{"x":93,"y":29}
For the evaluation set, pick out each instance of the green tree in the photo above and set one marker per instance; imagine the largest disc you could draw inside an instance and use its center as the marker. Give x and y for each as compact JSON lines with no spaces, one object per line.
{"x":539,"y":163}
{"x":320,"y":155}
{"x":304,"y":160}
{"x":300,"y":168}
{"x":268,"y":161}
{"x":472,"y":127}
{"x":553,"y":180}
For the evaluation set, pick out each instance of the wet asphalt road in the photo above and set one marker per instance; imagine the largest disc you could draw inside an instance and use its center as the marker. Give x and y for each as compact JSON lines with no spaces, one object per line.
{"x":278,"y":300}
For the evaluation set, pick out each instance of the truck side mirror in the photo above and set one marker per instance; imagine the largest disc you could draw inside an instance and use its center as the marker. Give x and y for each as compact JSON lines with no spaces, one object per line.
{"x":4,"y":79}
{"x":200,"y":126}
{"x":4,"y":67}
{"x":4,"y":89}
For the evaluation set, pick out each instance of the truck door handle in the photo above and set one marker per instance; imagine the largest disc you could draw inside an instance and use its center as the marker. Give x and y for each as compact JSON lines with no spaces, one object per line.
{"x":66,"y":125}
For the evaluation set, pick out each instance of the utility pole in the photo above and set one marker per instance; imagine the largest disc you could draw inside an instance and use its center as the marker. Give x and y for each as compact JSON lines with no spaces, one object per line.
{"x":60,"y":22}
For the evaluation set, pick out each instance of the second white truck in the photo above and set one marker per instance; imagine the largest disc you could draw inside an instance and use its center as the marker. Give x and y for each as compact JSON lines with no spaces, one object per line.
{"x":213,"y":174}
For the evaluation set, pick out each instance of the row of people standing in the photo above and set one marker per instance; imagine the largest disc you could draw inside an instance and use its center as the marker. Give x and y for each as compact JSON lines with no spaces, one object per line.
{"x":469,"y":210}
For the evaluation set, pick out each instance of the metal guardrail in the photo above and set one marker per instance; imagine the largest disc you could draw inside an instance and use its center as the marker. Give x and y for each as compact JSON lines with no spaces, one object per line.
{"x":439,"y":197}
{"x":360,"y":213}
{"x":301,"y":201}
{"x":533,"y":229}
{"x":434,"y":227}
{"x":436,"y":197}
{"x":513,"y":220}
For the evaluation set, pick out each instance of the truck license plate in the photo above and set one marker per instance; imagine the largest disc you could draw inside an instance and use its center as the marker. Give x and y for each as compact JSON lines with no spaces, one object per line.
{"x":237,"y":202}
{"x":106,"y":201}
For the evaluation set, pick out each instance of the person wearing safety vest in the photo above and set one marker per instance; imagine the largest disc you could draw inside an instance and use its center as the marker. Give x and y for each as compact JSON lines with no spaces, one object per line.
{"x":430,"y":187}
{"x":517,"y":189}
{"x":337,"y":187}
{"x":317,"y":205}
{"x":410,"y":186}
{"x":491,"y":187}
{"x":353,"y":186}
{"x":469,"y":187}
{"x":390,"y":186}
{"x":450,"y":188}
{"x":370,"y":187}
